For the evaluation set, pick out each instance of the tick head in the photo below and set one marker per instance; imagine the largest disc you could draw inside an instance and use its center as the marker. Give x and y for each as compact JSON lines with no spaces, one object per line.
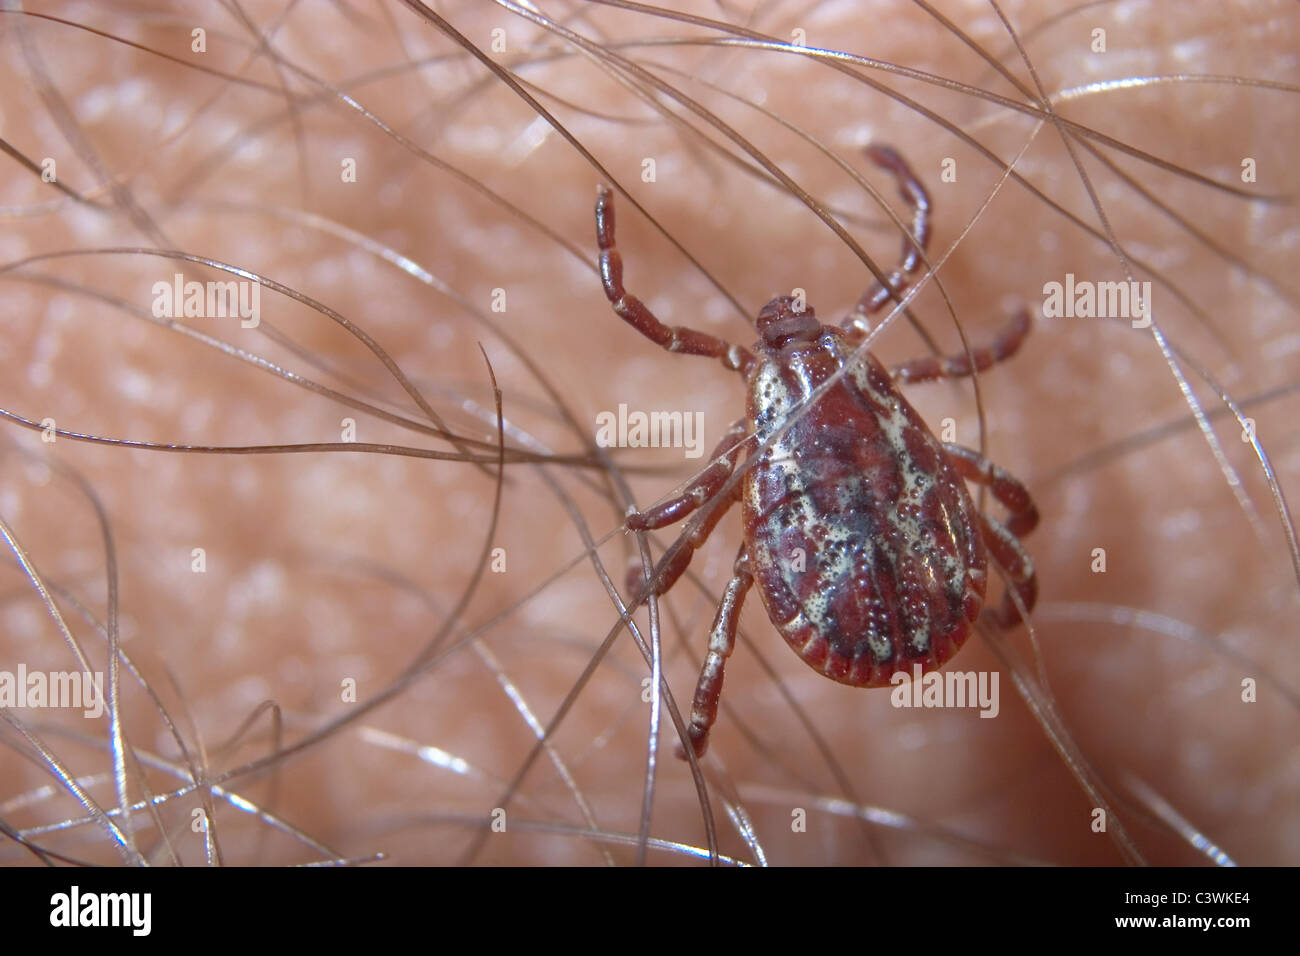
{"x":781,"y":323}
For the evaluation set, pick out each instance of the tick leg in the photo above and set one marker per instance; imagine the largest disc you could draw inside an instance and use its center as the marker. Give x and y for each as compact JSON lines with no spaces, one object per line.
{"x":977,"y":360}
{"x":674,"y":338}
{"x":726,"y":456}
{"x":1011,"y":555}
{"x":914,"y":245}
{"x":1006,"y":487}
{"x":722,"y":463}
{"x":722,"y":641}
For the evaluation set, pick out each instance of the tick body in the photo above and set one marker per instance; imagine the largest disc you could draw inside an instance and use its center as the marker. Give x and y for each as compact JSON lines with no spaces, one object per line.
{"x":868,"y":552}
{"x":861,"y":538}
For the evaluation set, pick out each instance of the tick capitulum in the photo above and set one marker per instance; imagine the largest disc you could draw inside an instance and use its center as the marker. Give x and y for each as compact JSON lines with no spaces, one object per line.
{"x":868,"y":552}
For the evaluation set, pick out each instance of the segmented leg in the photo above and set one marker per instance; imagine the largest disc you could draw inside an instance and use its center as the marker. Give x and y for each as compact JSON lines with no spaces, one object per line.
{"x":1006,"y":487}
{"x":978,"y":359}
{"x":918,"y":199}
{"x":674,"y":338}
{"x":726,"y":456}
{"x":1011,"y":555}
{"x":722,"y":641}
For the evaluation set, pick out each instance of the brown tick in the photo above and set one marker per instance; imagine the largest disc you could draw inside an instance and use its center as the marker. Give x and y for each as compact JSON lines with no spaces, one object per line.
{"x":869,"y":554}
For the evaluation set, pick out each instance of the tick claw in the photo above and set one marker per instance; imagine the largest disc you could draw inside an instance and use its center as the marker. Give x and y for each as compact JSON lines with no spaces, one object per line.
{"x":634,"y":581}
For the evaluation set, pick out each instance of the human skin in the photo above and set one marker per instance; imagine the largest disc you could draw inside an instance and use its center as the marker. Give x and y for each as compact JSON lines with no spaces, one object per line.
{"x":325,"y":567}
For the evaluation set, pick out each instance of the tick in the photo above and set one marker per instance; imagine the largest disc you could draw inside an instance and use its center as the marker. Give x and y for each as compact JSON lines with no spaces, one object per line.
{"x":868,"y":552}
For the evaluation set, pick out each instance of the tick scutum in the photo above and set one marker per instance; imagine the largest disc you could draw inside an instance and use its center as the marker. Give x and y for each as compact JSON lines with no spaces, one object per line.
{"x":861,"y":538}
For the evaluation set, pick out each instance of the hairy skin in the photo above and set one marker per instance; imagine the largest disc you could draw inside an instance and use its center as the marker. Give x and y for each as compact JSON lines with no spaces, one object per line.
{"x":294,"y":601}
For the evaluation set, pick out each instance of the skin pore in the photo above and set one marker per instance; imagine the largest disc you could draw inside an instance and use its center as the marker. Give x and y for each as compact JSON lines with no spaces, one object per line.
{"x":326,"y":570}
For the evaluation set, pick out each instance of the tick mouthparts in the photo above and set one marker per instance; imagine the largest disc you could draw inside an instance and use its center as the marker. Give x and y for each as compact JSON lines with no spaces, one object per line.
{"x":781,"y":321}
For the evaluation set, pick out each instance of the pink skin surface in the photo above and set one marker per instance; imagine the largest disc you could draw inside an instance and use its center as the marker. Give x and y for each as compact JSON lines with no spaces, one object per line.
{"x":324,"y":568}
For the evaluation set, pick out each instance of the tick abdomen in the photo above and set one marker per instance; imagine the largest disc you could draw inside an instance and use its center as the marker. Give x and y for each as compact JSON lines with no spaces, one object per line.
{"x":861,"y":538}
